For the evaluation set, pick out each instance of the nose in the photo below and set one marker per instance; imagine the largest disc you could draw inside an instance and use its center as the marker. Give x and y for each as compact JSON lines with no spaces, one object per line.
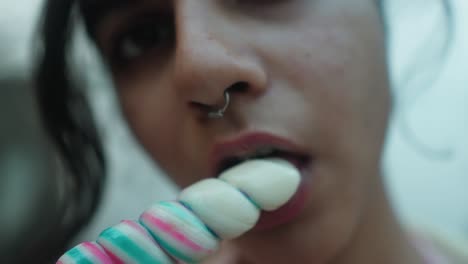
{"x":208,"y":60}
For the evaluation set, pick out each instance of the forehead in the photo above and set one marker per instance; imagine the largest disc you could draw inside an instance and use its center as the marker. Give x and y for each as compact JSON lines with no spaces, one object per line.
{"x":94,"y":11}
{"x":98,"y":6}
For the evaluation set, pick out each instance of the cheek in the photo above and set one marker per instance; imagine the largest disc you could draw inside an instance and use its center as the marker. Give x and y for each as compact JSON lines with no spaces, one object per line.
{"x":147,"y":115}
{"x":163,"y":128}
{"x":341,"y":71}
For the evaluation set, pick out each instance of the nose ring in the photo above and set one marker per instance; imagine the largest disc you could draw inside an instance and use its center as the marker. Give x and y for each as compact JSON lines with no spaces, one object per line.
{"x":219,"y":113}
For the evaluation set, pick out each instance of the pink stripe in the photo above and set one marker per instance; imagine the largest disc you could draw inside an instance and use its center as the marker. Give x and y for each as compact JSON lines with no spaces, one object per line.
{"x":114,"y":258}
{"x":172,"y":231}
{"x":59,"y":262}
{"x":97,"y":252}
{"x":140,"y":229}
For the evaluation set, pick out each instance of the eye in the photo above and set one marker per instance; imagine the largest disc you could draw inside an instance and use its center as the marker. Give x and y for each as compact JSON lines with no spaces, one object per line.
{"x":141,"y":37}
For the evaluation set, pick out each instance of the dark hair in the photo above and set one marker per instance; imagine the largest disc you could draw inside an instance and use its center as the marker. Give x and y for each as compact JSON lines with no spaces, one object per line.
{"x":68,"y":119}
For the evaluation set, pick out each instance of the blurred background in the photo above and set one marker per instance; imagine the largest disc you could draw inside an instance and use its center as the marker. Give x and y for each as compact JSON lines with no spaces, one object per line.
{"x":426,"y":158}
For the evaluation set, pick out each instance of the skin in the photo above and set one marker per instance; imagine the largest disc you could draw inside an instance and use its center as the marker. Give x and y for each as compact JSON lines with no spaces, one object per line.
{"x":315,"y":73}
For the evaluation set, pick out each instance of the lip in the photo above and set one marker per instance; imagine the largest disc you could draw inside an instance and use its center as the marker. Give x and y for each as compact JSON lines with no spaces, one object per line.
{"x":248,"y":142}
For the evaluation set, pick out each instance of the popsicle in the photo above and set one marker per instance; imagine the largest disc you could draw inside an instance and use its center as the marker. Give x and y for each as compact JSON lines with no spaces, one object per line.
{"x":189,"y":230}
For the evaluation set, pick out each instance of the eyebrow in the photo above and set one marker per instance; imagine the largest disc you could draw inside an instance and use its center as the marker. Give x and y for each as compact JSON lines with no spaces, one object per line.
{"x":95,"y":11}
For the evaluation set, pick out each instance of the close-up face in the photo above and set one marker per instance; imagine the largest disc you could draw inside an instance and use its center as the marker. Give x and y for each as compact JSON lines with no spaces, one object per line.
{"x":307,"y":78}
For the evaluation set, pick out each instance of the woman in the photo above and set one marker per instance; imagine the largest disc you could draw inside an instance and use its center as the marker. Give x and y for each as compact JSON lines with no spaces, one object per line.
{"x":307,"y":77}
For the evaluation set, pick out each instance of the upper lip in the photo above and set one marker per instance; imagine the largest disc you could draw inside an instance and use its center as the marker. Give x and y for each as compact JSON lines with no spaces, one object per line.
{"x":248,"y":143}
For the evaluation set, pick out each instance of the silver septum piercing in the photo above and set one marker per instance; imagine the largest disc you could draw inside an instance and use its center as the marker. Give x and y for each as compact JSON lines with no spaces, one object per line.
{"x":219,"y":113}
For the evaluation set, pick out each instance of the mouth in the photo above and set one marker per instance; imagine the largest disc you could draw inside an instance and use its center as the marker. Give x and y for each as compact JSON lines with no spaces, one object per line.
{"x":249,"y":146}
{"x":262,"y":153}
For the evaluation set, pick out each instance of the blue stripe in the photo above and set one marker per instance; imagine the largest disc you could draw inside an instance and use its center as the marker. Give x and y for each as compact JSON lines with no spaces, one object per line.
{"x":120,"y":240}
{"x":78,"y":256}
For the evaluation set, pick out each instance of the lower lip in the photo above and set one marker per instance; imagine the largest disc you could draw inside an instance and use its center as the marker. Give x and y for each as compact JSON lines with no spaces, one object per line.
{"x":288,"y":212}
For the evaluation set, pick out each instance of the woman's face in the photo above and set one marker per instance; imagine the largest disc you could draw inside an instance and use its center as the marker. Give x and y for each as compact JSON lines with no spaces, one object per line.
{"x":311,"y":73}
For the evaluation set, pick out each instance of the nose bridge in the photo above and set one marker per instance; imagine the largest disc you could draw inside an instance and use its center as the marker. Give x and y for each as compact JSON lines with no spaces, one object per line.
{"x":192,"y":26}
{"x":199,"y":51}
{"x":205,"y":64}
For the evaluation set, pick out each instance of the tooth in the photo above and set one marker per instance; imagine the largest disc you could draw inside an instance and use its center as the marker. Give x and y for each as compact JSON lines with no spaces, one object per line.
{"x":261,"y":152}
{"x":265,"y":151}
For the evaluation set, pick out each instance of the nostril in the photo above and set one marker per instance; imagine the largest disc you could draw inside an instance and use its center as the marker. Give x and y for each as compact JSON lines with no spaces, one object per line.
{"x":238,"y":87}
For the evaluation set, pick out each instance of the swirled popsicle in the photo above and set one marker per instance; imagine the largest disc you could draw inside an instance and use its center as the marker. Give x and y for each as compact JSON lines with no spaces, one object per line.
{"x":208,"y":211}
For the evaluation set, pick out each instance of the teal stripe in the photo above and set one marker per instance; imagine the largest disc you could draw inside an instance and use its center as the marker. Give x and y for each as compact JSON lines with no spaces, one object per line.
{"x":173,"y":251}
{"x":184,"y":214}
{"x":245,"y":195}
{"x":78,"y":256}
{"x":250,"y":199}
{"x":128,"y":246}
